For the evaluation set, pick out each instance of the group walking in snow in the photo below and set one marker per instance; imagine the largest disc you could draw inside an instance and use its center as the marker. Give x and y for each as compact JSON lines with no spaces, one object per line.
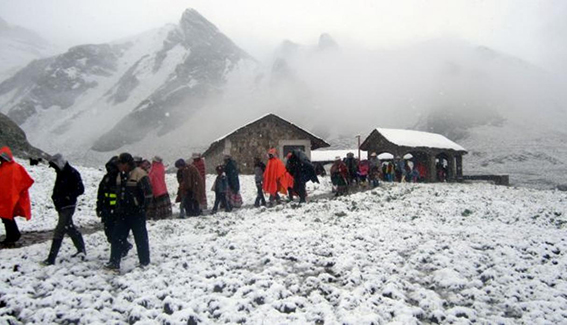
{"x":134,"y":190}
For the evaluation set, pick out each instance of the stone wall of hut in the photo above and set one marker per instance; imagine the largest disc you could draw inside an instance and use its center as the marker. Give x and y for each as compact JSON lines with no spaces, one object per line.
{"x":254,"y":141}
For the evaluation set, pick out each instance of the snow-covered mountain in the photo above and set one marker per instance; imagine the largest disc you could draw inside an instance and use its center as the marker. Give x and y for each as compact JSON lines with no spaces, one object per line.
{"x":18,"y":47}
{"x":105,"y":96}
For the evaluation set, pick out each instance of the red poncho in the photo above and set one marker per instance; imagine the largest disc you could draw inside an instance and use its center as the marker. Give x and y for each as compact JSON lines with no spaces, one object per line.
{"x":14,"y":185}
{"x":276,"y":177}
{"x":157,"y":178}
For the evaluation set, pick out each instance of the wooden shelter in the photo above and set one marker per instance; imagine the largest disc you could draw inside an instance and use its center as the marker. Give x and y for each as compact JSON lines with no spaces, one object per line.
{"x":256,"y":138}
{"x":426,"y":148}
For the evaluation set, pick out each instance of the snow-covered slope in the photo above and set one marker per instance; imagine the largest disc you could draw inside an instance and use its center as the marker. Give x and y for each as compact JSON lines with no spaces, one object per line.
{"x":402,"y":253}
{"x":18,"y":47}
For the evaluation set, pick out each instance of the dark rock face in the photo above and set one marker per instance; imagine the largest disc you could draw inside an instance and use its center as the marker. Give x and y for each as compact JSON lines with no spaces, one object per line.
{"x":195,"y":80}
{"x":59,"y":80}
{"x":12,"y":136}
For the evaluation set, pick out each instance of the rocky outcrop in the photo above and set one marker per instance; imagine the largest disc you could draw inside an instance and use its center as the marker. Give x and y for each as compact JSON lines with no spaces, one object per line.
{"x":13,"y":136}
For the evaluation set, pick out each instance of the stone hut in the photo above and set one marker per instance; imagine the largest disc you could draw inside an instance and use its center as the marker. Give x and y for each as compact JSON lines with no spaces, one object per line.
{"x":255,"y":138}
{"x":426,"y":148}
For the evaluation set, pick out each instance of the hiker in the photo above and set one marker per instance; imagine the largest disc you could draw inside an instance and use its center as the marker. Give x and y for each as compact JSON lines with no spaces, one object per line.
{"x":68,"y":186}
{"x":276,"y":178}
{"x":180,"y":164}
{"x":199,"y":162}
{"x":231,"y":171}
{"x":352,"y":167}
{"x":363,"y":170}
{"x":220,"y":187}
{"x":134,"y":194}
{"x":14,"y":196}
{"x":259,"y":168}
{"x":339,"y":176}
{"x":160,"y":205}
{"x":107,"y":198}
{"x":374,"y":172}
{"x":301,"y":169}
{"x":190,"y":189}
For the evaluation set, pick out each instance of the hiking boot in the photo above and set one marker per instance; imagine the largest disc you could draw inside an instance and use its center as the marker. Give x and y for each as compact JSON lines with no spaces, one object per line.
{"x":111,"y":267}
{"x":80,"y":254}
{"x":46,"y":262}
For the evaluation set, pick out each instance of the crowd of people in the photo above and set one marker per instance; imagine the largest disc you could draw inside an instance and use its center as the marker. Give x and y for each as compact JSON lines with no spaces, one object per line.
{"x":350,"y":172}
{"x":134,"y":190}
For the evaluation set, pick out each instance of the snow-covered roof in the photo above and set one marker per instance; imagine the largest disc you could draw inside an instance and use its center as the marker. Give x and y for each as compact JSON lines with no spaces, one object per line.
{"x":411,"y":138}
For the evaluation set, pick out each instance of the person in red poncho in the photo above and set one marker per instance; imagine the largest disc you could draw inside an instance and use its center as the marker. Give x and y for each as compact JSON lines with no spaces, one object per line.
{"x":276,"y":177}
{"x":14,"y":196}
{"x":160,"y":205}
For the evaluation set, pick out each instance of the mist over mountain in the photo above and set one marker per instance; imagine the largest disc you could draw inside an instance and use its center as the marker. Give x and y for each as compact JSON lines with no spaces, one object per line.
{"x":176,"y":89}
{"x":18,"y":47}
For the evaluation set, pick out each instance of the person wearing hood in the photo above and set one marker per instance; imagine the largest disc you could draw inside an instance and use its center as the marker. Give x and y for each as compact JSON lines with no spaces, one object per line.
{"x":276,"y":178}
{"x":14,"y":196}
{"x":199,"y":162}
{"x":134,"y":195}
{"x":160,"y":206}
{"x":68,"y":186}
{"x":107,"y":199}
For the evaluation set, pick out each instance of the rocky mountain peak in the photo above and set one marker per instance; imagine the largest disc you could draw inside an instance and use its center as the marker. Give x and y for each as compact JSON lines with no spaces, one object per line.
{"x":194,"y":26}
{"x":327,"y":42}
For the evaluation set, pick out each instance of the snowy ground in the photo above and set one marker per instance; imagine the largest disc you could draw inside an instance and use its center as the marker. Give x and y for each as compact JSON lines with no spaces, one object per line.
{"x":402,"y":253}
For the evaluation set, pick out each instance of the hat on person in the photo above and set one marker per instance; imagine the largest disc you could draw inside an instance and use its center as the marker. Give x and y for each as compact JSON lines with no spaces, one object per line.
{"x":337,"y":158}
{"x":180,"y":163}
{"x":58,"y":160}
{"x":126,"y":158}
{"x":196,"y":155}
{"x":373,"y":154}
{"x":157,"y":158}
{"x":350,"y":154}
{"x":137,"y":159}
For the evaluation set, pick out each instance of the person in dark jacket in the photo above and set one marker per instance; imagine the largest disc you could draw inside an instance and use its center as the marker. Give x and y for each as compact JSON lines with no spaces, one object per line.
{"x":68,"y":186}
{"x":259,"y":168}
{"x":107,"y":199}
{"x":352,"y":166}
{"x":134,"y":194}
{"x":180,"y":164}
{"x":220,"y":187}
{"x":300,"y":167}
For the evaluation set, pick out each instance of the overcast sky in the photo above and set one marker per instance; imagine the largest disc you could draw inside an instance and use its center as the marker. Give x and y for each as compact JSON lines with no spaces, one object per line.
{"x":531,"y":29}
